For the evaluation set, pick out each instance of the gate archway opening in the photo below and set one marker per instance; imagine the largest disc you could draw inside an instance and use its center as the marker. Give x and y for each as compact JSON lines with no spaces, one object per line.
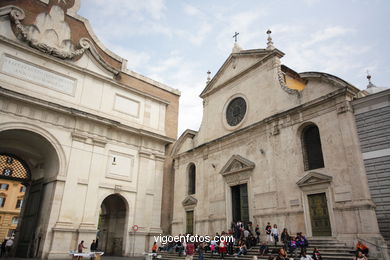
{"x":112,"y":225}
{"x":29,"y":160}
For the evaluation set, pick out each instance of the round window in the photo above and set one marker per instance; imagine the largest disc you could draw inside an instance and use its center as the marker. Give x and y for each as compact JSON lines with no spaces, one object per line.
{"x":235,"y":111}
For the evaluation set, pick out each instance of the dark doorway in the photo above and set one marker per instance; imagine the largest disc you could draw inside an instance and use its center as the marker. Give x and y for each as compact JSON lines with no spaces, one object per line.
{"x":111,"y":227}
{"x":319,"y":215}
{"x":190,"y":222}
{"x":29,"y":160}
{"x":28,"y":240}
{"x":240,"y":205}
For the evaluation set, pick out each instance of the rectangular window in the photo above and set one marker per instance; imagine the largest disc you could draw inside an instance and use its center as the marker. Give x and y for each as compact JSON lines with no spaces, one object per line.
{"x":4,"y":186}
{"x":2,"y":202}
{"x":11,"y":232}
{"x":15,"y":220}
{"x":19,"y":204}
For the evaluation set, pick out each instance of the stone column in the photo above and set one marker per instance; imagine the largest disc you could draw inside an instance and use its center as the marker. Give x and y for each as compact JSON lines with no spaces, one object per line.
{"x":88,"y":227}
{"x":144,"y":203}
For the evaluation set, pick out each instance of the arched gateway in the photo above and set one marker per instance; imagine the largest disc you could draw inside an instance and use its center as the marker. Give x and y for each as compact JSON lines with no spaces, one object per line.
{"x":112,"y":223}
{"x":29,"y":158}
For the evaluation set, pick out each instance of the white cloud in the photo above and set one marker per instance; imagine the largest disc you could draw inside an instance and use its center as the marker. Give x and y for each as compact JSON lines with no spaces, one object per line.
{"x":135,"y":59}
{"x":201,"y":37}
{"x":176,"y":71}
{"x":114,"y":8}
{"x":311,"y":2}
{"x":327,"y":34}
{"x":191,"y":10}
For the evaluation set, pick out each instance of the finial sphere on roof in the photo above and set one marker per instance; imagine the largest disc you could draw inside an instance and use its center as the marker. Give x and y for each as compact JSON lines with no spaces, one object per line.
{"x":269,"y":31}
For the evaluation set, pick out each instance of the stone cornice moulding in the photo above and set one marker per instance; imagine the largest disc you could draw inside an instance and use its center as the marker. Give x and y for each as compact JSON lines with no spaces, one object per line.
{"x":282,"y":83}
{"x":117,"y":188}
{"x":145,"y":154}
{"x":159,"y":157}
{"x":82,"y":70}
{"x":189,"y":202}
{"x":314,"y":178}
{"x":122,"y":60}
{"x":82,"y":114}
{"x":210,"y":88}
{"x":237,"y":164}
{"x":274,"y":118}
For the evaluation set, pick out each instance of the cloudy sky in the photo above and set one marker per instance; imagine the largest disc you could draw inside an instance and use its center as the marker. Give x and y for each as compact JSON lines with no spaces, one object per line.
{"x":177,"y":42}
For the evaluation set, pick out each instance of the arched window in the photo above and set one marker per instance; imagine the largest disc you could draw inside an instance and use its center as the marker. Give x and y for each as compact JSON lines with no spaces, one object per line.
{"x":2,"y":200}
{"x":191,"y":179}
{"x":312,"y":151}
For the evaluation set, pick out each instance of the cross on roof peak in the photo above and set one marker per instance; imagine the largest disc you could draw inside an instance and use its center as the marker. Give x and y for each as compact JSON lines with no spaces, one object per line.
{"x":235,"y":36}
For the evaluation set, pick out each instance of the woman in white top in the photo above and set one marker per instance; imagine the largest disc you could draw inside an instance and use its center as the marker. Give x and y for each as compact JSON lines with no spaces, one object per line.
{"x":305,"y":257}
{"x":275,"y":233}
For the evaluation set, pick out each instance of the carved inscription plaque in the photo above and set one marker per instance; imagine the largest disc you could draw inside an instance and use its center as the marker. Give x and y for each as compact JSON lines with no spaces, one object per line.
{"x":37,"y":75}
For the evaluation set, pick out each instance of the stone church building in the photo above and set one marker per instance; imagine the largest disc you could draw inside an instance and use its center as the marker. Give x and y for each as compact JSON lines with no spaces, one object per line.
{"x":87,"y":136}
{"x":274,"y":146}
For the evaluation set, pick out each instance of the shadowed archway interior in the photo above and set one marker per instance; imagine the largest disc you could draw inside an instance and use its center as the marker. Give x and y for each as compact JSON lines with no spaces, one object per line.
{"x":38,"y":156}
{"x":111,"y":227}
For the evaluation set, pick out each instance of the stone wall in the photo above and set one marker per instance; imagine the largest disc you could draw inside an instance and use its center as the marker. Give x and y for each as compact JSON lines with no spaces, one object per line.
{"x":374,"y":133}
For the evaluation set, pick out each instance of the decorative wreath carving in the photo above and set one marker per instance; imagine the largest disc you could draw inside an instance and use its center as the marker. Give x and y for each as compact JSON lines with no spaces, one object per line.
{"x":50,"y":34}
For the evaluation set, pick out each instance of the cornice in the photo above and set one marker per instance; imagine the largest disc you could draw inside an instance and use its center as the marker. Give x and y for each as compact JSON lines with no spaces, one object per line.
{"x":273,"y":118}
{"x":71,"y":66}
{"x":82,"y":114}
{"x":210,"y":89}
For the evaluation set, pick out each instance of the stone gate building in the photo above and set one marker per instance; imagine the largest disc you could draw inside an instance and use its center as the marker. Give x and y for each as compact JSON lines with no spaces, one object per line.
{"x":90,"y":134}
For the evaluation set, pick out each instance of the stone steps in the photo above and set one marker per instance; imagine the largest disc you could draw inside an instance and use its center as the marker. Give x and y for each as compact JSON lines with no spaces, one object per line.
{"x":330,"y":250}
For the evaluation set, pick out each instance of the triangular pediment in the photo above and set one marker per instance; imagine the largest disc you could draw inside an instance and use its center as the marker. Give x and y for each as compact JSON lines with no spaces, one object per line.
{"x":313,"y":178}
{"x":237,"y":164}
{"x":189,"y":201}
{"x":237,"y":65}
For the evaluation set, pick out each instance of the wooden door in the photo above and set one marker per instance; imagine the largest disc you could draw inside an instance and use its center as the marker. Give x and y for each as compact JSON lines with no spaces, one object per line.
{"x":236,"y":205}
{"x":319,"y":215}
{"x":190,"y":222}
{"x":244,"y":202}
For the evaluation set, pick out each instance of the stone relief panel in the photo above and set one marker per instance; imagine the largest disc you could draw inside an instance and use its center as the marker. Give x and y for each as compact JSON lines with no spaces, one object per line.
{"x":126,"y":105}
{"x":237,"y":170}
{"x":51,"y":34}
{"x":266,"y":200}
{"x":235,"y":164}
{"x":343,"y":193}
{"x":37,"y":75}
{"x":236,"y":179}
{"x":120,"y":166}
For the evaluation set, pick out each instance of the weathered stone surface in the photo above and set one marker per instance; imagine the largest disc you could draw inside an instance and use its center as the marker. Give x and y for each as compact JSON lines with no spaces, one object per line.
{"x":269,"y":136}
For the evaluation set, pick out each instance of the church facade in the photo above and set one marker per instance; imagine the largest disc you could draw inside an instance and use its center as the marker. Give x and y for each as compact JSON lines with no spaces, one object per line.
{"x":90,"y":134}
{"x":274,"y":146}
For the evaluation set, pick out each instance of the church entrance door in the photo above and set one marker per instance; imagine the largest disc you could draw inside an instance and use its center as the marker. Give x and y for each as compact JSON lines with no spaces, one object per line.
{"x":190,"y":222}
{"x":319,"y":215}
{"x":240,"y":204}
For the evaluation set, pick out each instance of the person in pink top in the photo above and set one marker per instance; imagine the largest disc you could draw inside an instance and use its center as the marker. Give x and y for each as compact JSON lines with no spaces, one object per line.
{"x":190,"y":251}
